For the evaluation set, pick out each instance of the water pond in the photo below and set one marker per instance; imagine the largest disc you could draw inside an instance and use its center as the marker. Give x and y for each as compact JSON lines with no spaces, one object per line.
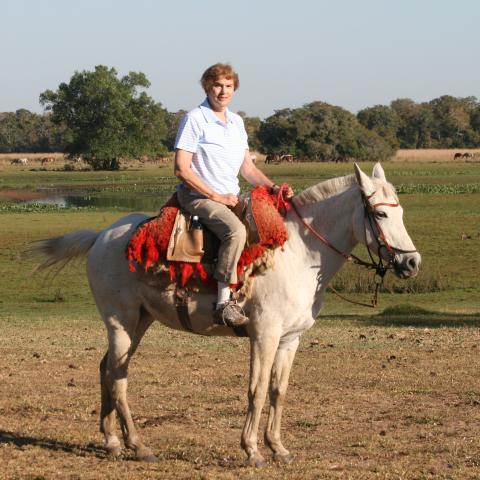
{"x":131,"y":201}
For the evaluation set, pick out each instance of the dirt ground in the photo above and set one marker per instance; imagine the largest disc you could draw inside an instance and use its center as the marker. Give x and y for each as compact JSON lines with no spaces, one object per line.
{"x":366,"y":401}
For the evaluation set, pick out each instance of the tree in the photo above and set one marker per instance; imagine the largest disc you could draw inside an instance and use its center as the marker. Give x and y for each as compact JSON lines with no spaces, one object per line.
{"x":277,"y":133}
{"x":321,"y":132}
{"x":444,"y":122}
{"x":24,"y":131}
{"x":107,"y":118}
{"x":383,"y":120}
{"x":407,"y":112}
{"x":172,"y":122}
{"x":452,"y":118}
{"x":252,"y":126}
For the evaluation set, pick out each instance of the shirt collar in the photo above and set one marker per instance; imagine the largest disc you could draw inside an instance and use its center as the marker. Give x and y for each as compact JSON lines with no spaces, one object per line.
{"x":210,"y":115}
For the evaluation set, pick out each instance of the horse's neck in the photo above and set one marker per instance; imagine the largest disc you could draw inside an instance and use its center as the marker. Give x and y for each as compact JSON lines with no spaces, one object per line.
{"x":332,"y":218}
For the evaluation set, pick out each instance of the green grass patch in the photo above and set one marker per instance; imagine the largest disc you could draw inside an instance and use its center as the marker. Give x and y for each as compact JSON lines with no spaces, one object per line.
{"x":11,"y":207}
{"x":438,"y":188}
{"x":444,"y":228}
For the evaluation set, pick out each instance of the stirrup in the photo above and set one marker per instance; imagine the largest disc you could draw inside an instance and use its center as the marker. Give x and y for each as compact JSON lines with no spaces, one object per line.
{"x":230,"y":315}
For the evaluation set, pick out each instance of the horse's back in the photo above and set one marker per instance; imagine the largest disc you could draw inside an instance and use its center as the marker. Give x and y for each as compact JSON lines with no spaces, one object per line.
{"x":107,"y":265}
{"x":116,"y":236}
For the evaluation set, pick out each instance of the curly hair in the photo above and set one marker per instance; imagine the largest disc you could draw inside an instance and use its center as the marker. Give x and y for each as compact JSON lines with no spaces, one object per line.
{"x":213,"y":73}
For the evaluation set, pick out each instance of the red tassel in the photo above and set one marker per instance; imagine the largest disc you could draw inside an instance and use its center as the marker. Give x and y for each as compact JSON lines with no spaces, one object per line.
{"x":173,"y":272}
{"x":187,"y":272}
{"x":148,"y":245}
{"x":202,"y":273}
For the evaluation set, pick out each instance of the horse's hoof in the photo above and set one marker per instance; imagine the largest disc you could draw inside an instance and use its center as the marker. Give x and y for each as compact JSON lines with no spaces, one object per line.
{"x":283,"y":459}
{"x":256,"y":461}
{"x":114,"y":450}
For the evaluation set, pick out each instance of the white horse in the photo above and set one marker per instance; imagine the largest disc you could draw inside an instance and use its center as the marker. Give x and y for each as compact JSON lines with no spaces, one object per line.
{"x":284,"y":303}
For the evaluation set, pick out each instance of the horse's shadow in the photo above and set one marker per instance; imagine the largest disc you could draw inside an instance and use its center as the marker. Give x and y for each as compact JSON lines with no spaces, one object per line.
{"x":413,"y":316}
{"x":20,"y":440}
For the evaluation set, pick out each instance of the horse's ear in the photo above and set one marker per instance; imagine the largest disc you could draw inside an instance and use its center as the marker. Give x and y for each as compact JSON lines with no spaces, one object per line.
{"x":378,"y":172}
{"x":364,"y":181}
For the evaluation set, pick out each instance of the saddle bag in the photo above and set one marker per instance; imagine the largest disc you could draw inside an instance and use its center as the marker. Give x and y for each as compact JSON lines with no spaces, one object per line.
{"x":243,"y":210}
{"x":186,"y":242}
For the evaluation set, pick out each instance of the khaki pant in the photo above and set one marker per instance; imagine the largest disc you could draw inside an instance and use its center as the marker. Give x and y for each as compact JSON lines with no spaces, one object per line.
{"x":225,"y":225}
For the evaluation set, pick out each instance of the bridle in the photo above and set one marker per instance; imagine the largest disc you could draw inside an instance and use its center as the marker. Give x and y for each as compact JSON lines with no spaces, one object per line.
{"x":379,"y":266}
{"x":381,"y":240}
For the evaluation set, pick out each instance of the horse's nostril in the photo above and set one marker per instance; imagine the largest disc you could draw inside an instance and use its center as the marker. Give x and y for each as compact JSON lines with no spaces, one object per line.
{"x":412,"y":263}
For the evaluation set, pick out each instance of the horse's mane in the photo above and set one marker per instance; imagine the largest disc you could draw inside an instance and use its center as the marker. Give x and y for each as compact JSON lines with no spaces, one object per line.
{"x":325,"y":189}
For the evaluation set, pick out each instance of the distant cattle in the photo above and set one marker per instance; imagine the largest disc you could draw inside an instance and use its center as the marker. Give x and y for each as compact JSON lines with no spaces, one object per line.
{"x":19,"y":161}
{"x":275,"y":158}
{"x":47,"y":160}
{"x":272,"y":158}
{"x":463,"y":155}
{"x":286,"y":158}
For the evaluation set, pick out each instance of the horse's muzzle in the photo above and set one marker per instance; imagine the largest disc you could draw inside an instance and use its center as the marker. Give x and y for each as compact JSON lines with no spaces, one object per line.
{"x":406,"y":265}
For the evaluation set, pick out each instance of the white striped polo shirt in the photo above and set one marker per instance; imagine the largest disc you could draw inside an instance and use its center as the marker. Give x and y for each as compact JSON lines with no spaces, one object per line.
{"x":218,"y":148}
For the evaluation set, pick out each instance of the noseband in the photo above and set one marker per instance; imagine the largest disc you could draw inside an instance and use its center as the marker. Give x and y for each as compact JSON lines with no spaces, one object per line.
{"x":381,"y":240}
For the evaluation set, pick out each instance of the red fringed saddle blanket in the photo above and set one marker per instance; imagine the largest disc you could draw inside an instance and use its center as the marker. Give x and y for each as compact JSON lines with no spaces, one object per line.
{"x":148,"y":246}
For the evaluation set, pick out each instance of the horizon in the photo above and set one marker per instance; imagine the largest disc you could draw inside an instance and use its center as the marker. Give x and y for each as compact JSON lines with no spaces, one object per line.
{"x":287,"y":55}
{"x":42,"y":111}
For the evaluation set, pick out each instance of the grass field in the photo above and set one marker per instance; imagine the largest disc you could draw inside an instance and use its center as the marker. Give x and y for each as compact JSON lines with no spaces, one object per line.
{"x":390,"y":394}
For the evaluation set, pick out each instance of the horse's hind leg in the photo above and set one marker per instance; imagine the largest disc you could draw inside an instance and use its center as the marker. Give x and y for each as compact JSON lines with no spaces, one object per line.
{"x":123,"y":339}
{"x":107,"y":411}
{"x":278,"y":388}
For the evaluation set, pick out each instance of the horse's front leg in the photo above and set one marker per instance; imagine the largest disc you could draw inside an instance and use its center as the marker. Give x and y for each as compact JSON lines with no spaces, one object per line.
{"x":261,"y":359}
{"x":278,"y":388}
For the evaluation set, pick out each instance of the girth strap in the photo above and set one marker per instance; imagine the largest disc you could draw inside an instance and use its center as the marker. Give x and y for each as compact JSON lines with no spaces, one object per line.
{"x":184,"y":317}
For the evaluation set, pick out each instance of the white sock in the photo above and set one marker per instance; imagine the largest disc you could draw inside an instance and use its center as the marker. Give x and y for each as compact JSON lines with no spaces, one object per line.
{"x":223,"y":294}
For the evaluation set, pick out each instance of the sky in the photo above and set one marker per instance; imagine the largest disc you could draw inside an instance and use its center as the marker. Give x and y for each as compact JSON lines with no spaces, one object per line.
{"x":350,"y":53}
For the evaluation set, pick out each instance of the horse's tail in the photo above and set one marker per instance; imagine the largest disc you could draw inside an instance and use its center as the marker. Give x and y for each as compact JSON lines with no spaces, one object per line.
{"x":65,"y":248}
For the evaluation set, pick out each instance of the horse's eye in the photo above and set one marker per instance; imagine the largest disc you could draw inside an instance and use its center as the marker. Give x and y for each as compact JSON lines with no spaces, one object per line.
{"x":379,"y":214}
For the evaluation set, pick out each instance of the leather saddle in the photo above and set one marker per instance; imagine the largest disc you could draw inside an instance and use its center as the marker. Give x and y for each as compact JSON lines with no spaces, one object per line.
{"x":192,"y":242}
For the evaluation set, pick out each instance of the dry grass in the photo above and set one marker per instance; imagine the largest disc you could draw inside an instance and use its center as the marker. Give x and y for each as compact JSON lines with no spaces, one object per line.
{"x":421,"y":155}
{"x":367,"y":400}
{"x":8,"y":157}
{"x":434,"y":155}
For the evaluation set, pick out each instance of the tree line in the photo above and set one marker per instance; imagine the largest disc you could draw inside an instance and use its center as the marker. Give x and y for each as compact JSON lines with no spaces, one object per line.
{"x":106,"y":118}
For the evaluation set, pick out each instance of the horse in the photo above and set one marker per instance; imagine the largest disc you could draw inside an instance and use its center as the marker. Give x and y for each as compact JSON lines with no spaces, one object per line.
{"x":286,"y":158}
{"x":324,"y":224}
{"x":47,"y":160}
{"x":272,"y":158}
{"x":19,"y":161}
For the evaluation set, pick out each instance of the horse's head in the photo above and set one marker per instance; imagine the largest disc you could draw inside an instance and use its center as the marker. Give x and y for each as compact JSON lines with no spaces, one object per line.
{"x":380,"y":225}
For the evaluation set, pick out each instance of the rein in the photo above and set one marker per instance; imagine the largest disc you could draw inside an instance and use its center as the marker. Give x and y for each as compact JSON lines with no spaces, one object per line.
{"x":379,"y":267}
